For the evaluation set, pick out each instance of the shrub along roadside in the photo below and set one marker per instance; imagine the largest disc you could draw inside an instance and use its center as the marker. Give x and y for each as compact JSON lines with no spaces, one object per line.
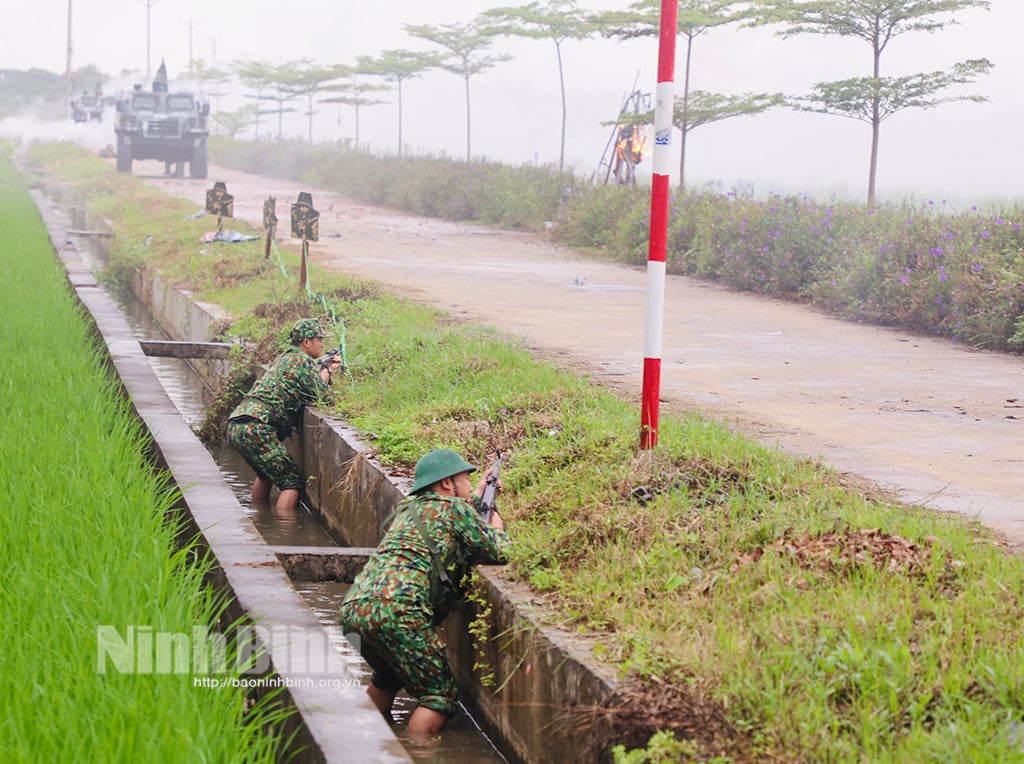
{"x":922,"y":266}
{"x":763,"y":611}
{"x":86,"y":543}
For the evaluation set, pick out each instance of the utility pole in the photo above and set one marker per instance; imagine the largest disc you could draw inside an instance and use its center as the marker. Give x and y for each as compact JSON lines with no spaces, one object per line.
{"x":67,"y":71}
{"x":191,"y":61}
{"x":149,"y":4}
{"x":658,"y":227}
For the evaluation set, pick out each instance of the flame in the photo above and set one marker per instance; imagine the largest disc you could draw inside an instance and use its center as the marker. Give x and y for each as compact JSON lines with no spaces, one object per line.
{"x":633,"y":144}
{"x":646,"y":149}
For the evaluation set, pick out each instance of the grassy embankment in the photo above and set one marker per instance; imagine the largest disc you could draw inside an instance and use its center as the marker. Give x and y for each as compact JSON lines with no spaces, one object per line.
{"x":776,"y":615}
{"x":85,"y":542}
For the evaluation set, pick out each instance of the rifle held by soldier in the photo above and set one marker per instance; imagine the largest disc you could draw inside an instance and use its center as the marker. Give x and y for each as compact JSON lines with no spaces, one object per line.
{"x":488,"y":502}
{"x":328,"y":358}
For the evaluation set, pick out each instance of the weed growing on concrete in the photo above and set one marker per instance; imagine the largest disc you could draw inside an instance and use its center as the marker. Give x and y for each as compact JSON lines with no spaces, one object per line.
{"x":479,"y":632}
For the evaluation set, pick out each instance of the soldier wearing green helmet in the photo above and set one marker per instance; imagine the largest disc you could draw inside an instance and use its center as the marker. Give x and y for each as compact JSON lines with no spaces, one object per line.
{"x":272,"y":410}
{"x":414,"y":579}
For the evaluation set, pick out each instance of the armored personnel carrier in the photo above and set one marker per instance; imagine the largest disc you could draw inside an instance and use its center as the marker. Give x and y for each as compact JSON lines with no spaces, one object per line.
{"x":86,"y":107}
{"x":158,"y":124}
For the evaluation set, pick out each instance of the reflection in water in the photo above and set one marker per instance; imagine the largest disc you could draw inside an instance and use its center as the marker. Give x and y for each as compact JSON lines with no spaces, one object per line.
{"x":462,"y":742}
{"x":294,"y":527}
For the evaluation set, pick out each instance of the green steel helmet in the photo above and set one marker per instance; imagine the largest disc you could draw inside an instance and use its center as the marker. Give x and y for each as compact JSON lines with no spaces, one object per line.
{"x":437,"y":465}
{"x":306,"y":329}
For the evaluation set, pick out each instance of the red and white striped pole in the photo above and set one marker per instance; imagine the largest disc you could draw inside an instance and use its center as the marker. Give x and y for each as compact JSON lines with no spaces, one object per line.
{"x":663,"y":103}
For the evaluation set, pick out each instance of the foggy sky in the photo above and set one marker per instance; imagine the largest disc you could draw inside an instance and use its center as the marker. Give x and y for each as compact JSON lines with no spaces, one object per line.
{"x":966,"y":152}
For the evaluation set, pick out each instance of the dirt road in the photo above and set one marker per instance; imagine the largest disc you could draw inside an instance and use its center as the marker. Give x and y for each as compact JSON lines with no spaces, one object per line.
{"x":935,"y":423}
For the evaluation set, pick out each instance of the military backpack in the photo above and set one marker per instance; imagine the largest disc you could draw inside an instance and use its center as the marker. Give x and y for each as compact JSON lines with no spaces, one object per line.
{"x":447,"y":572}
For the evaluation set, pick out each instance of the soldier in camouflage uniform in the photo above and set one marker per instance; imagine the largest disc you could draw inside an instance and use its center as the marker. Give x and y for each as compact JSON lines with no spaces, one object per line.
{"x":272,"y":409}
{"x":389,"y":605}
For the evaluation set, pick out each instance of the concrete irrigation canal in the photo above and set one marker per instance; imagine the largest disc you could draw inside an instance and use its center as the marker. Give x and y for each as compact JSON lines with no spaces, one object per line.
{"x":287,"y":574}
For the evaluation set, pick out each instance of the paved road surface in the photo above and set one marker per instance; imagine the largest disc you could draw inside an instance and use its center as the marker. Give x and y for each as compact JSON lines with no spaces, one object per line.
{"x":933,"y":422}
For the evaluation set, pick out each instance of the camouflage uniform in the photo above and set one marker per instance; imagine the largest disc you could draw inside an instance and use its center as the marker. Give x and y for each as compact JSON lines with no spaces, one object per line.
{"x":389,"y":605}
{"x":270,"y":411}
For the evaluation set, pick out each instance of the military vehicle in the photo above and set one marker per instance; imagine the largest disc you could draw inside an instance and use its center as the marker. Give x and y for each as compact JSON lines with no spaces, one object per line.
{"x":164,"y":125}
{"x":86,"y":107}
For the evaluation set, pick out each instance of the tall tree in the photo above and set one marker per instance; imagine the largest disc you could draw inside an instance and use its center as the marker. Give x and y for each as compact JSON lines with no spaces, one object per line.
{"x":555,"y":20}
{"x":398,"y":66}
{"x":255,"y":75}
{"x":282,"y":79}
{"x":466,"y":44}
{"x":236,"y":121}
{"x":876,"y":98}
{"x":354,"y":93}
{"x":702,"y":107}
{"x":305,"y":81}
{"x":643,"y":18}
{"x":212,"y":79}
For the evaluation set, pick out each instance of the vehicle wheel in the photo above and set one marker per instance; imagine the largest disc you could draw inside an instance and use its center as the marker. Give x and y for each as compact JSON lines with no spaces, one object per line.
{"x":197,"y":165}
{"x":124,"y":157}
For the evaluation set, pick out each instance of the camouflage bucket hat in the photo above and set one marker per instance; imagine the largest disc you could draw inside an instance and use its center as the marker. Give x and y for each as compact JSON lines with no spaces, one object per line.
{"x":306,"y":329}
{"x":437,"y":465}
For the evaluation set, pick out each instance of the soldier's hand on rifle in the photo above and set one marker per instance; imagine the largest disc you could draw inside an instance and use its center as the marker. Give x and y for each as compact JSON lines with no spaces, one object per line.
{"x":332,"y":366}
{"x":487,"y":492}
{"x":482,"y":485}
{"x":330,"y":362}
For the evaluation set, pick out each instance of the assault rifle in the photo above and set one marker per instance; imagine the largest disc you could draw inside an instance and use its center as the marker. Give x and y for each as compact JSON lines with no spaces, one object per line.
{"x":488,"y":501}
{"x":326,"y":358}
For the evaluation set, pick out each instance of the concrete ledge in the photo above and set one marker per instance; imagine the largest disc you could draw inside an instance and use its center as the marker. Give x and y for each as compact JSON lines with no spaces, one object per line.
{"x":303,"y":563}
{"x":176,"y":349}
{"x":183,"y":317}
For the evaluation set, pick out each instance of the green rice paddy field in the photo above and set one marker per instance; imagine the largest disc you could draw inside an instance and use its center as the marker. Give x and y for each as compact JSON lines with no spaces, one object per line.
{"x":84,"y":543}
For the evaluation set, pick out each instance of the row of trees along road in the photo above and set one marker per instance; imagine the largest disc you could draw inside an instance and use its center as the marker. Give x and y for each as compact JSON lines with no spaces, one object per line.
{"x":463,"y":49}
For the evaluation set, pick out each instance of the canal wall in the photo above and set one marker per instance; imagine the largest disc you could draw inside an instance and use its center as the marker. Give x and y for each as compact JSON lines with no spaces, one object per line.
{"x":530,"y":684}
